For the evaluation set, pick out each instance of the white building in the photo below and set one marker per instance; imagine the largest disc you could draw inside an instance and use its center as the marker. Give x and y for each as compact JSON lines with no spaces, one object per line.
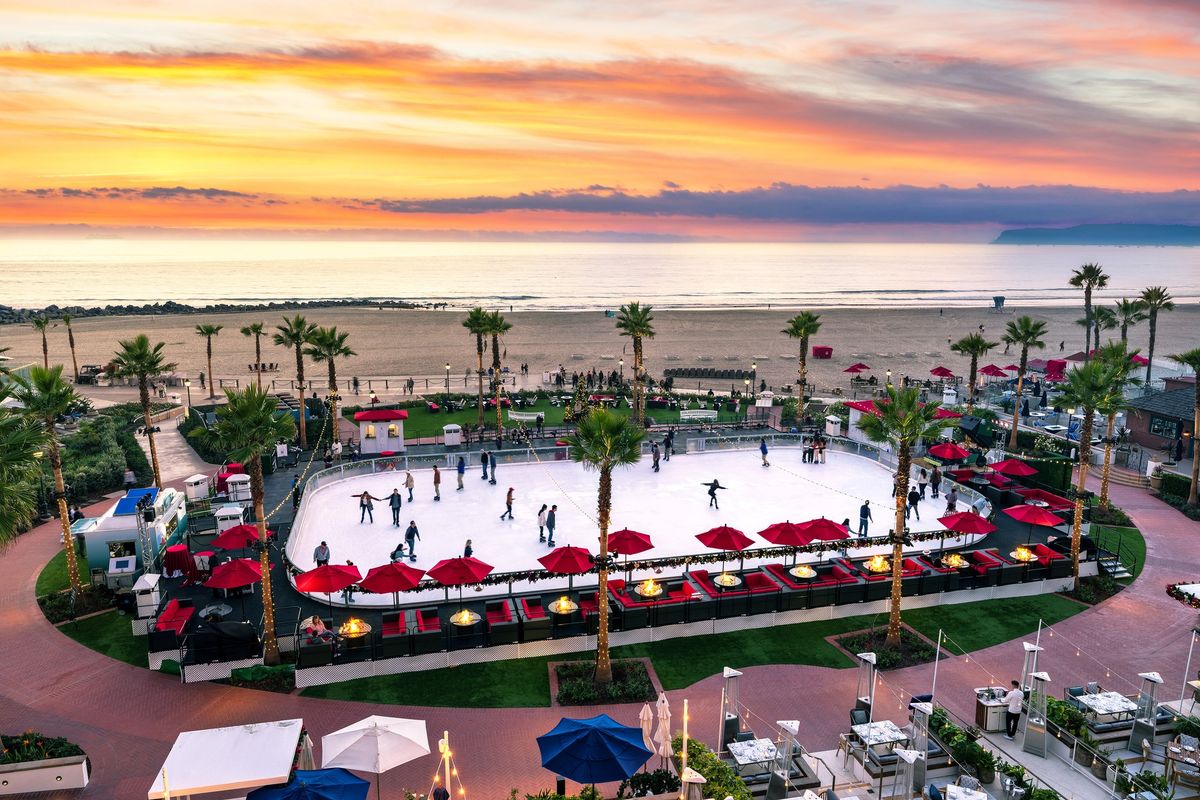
{"x":381,"y":431}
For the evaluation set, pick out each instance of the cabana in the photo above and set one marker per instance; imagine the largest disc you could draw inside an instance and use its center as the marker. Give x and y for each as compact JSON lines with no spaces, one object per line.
{"x":381,"y":430}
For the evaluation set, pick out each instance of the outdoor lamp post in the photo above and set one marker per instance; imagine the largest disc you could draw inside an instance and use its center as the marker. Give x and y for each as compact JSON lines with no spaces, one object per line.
{"x":889,"y":377}
{"x":43,"y":511}
{"x":374,"y":398}
{"x":188,"y":385}
{"x":622,"y":363}
{"x":447,"y":377}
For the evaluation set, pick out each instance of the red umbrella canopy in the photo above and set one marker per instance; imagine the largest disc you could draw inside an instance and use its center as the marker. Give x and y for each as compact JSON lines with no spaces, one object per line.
{"x":235,"y":574}
{"x":567,"y":560}
{"x":239,"y":537}
{"x":860,"y":366}
{"x":725,"y":538}
{"x":328,"y":578}
{"x":992,"y":371}
{"x":1014,"y":467}
{"x":1033,"y":515}
{"x":628,"y":543}
{"x":1012,"y":368}
{"x":941,"y":372}
{"x":853,"y":368}
{"x":826,"y":530}
{"x":457,"y":571}
{"x":966,"y":522}
{"x":786,"y":533}
{"x":393,"y":577}
{"x":948,"y":451}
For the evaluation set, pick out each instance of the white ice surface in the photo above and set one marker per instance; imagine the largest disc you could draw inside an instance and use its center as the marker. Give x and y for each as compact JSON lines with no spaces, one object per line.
{"x":671,"y":506}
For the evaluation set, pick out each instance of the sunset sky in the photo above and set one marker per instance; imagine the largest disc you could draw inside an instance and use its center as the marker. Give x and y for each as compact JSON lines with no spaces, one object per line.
{"x":773,"y":120}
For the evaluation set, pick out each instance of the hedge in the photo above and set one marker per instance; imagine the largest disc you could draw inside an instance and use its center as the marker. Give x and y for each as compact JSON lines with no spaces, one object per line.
{"x":135,"y":458}
{"x":92,"y":459}
{"x":1174,"y":483}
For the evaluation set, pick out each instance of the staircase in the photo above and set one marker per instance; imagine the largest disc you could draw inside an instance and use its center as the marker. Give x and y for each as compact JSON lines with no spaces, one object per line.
{"x":1111,"y":566}
{"x":1127,"y":477}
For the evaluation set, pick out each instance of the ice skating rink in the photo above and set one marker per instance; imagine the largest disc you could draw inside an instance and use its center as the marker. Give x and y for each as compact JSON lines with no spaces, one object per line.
{"x":671,"y":506}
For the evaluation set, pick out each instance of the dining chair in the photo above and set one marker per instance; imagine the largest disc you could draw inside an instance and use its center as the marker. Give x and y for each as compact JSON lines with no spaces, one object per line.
{"x":1093,"y":687}
{"x":1154,"y":753}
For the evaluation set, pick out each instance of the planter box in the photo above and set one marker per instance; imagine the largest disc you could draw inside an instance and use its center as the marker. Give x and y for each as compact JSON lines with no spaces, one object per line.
{"x":44,"y":776}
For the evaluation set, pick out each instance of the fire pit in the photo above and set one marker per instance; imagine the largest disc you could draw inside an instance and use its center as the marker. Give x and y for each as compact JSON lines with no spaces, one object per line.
{"x":877,"y":564}
{"x":803,"y":571}
{"x":465,"y":618}
{"x":354,"y":632}
{"x":727,"y":581}
{"x":954,"y":561}
{"x":564,"y":605}
{"x":1023,"y":554}
{"x":649,"y":588}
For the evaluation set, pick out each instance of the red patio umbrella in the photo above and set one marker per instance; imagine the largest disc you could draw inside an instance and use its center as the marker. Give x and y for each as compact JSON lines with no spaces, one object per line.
{"x":568,"y":561}
{"x":787,"y":533}
{"x":394,"y":577}
{"x":327,"y":579}
{"x":826,"y":530}
{"x":1012,"y":368}
{"x":235,"y":574}
{"x":992,"y":371}
{"x":966,"y":522}
{"x":628,"y":543}
{"x":1033,"y":515}
{"x":941,"y":372}
{"x":239,"y":537}
{"x":858,"y":365}
{"x":948,"y":451}
{"x":457,"y":571}
{"x":724,"y":538}
{"x":1013,"y":467}
{"x":853,"y":369}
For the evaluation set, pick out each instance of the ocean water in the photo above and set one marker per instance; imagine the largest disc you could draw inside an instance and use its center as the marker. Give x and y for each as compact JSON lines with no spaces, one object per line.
{"x":574,"y":276}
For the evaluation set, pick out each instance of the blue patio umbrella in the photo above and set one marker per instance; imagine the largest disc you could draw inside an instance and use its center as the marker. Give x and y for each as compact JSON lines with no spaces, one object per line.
{"x":594,"y":750}
{"x":316,"y":784}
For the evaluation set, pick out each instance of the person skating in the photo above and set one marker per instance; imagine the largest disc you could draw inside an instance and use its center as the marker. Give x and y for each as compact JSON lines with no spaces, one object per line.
{"x":348,"y":592}
{"x":762,"y":448}
{"x":483,"y":460}
{"x":712,"y":492}
{"x":366,"y":507}
{"x":654,"y":455}
{"x":295,"y":492}
{"x":437,"y":484}
{"x":952,"y":500}
{"x":411,"y":534}
{"x":914,"y":497}
{"x":492,"y":462}
{"x":395,"y":501}
{"x":409,"y":483}
{"x":508,"y":501}
{"x":551,"y":521}
{"x":935,"y":483}
{"x":668,"y":444}
{"x":462,"y":471}
{"x":864,"y":518}
{"x":922,"y":482}
{"x":468,"y":551}
{"x":321,"y":554}
{"x":542,"y":523}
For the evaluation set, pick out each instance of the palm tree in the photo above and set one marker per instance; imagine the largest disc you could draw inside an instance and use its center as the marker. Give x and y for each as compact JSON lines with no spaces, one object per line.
{"x":1155,"y":299}
{"x":296,"y":333}
{"x":1129,"y":313}
{"x":41,"y":325}
{"x":635,"y":321}
{"x":1087,"y":387}
{"x":22,"y":442}
{"x":246,"y":426}
{"x":1115,"y":355}
{"x":477,"y":323}
{"x":257,"y":331}
{"x":138,"y":359}
{"x":974,"y":346}
{"x":208,"y":332}
{"x":328,"y":345}
{"x":66,"y":318}
{"x":903,"y":421}
{"x":47,"y":397}
{"x":1026,"y":332}
{"x":1192,"y":359}
{"x":803,"y":326}
{"x":1088,"y":277}
{"x":603,"y":441}
{"x":497,"y":326}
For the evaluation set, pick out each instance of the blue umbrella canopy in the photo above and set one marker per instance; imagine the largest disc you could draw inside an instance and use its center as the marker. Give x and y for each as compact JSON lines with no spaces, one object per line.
{"x":316,"y":784}
{"x":594,"y":750}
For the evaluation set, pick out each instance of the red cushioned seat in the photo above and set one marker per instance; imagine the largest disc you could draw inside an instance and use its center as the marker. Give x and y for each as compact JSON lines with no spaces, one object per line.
{"x":1046,"y":555}
{"x":534,"y":611}
{"x":588,"y":604}
{"x":428,"y":620}
{"x":498,"y":612}
{"x":757,"y":582}
{"x":393,"y":626}
{"x":982,"y":561}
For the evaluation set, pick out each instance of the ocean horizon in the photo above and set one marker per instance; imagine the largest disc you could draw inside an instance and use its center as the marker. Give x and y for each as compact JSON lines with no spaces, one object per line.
{"x":575,"y":276}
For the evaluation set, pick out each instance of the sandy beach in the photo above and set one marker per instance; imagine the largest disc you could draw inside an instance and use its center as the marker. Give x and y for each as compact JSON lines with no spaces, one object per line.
{"x":418,"y":343}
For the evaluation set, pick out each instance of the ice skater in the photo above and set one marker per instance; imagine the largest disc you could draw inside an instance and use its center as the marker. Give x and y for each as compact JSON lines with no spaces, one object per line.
{"x":321,"y":554}
{"x":654,"y":455}
{"x":409,"y":484}
{"x":551,"y":521}
{"x":922,"y":482}
{"x":437,"y":484}
{"x":462,"y":471}
{"x":366,"y":507}
{"x":952,"y":500}
{"x":864,"y":518}
{"x":395,"y":501}
{"x":411,"y":534}
{"x":467,"y":549}
{"x":712,"y":493}
{"x":492,"y":477}
{"x":348,"y":592}
{"x":935,"y":483}
{"x":483,"y":460}
{"x":914,"y":497}
{"x":508,"y":501}
{"x":668,"y":444}
{"x":762,"y":448}
{"x":542,"y":522}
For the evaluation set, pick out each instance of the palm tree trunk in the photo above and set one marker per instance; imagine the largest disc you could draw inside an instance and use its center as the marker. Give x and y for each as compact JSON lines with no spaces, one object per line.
{"x":212,"y":379}
{"x":1087,"y":315}
{"x":479,"y":353}
{"x":803,"y":369}
{"x":974,"y":378}
{"x":45,"y":351}
{"x":604,"y":503}
{"x":335,"y":429}
{"x":258,"y":360}
{"x":1085,"y":438}
{"x":1125,"y":334}
{"x":270,"y":644}
{"x":1150,"y":348}
{"x":144,"y":394}
{"x":1106,"y":473}
{"x":74,"y":361}
{"x":639,"y":388}
{"x":300,"y":392}
{"x":496,"y":387}
{"x":902,"y":468}
{"x":64,"y":517}
{"x":1193,"y":499}
{"x":1012,"y":437}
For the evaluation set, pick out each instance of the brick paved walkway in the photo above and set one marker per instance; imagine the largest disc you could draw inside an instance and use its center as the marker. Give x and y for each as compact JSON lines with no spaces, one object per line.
{"x":126,"y":718}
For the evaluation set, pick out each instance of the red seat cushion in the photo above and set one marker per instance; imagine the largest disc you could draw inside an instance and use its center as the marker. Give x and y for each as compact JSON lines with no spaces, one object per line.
{"x":535,"y":611}
{"x":428,"y":620}
{"x":498,"y":613}
{"x":393,"y":627}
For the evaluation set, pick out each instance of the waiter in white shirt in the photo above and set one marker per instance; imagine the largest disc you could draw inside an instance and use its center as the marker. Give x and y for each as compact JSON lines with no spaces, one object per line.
{"x":1012,"y":715}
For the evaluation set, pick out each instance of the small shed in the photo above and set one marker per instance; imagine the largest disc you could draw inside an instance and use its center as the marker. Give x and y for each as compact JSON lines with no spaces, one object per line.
{"x":380,"y":429}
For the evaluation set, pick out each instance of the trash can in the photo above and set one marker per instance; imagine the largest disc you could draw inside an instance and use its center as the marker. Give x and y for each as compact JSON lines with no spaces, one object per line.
{"x":239,"y":488}
{"x":949,"y":396}
{"x":196,"y":487}
{"x":833,"y":426}
{"x":452,"y":434}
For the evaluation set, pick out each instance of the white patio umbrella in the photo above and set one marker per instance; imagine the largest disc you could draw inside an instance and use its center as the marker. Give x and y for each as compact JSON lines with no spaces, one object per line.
{"x":663,"y":735}
{"x":375,"y":744}
{"x":646,"y":718}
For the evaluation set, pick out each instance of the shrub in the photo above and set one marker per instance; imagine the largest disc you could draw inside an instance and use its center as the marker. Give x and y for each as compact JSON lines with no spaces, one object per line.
{"x":1111,"y":516}
{"x":64,"y":606}
{"x":640,"y":784}
{"x":630,"y":684}
{"x":280,"y":678}
{"x":135,"y":458}
{"x":1096,"y":589}
{"x":92,"y":459}
{"x":913,"y":649}
{"x":720,"y":778}
{"x":1174,"y":483}
{"x":32,"y":746}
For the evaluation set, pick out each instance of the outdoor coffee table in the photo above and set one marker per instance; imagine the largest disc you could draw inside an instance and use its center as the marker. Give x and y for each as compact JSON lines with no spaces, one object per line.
{"x":219,"y":609}
{"x":1107,"y":705}
{"x":754,"y":751}
{"x":883,"y":733}
{"x":962,"y":793}
{"x":1181,"y":755}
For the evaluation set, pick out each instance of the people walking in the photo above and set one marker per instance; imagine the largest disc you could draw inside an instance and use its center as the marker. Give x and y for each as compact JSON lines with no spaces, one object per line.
{"x":914,"y":497}
{"x":411,"y":534}
{"x":922,"y":482}
{"x":483,"y":460}
{"x":935,"y":483}
{"x":654,"y":456}
{"x":762,"y":448}
{"x":508,"y":501}
{"x":437,"y":484}
{"x":712,"y":493}
{"x":295,"y":490}
{"x":409,"y":484}
{"x":366,"y":507}
{"x":462,"y":471}
{"x":321,"y":554}
{"x":542,"y":522}
{"x":864,"y":518}
{"x":551,"y":521}
{"x":395,"y":501}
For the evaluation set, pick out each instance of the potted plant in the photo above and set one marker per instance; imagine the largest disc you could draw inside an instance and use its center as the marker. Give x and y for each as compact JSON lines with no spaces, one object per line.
{"x":1156,"y":478}
{"x":1085,"y":746}
{"x":33,"y":762}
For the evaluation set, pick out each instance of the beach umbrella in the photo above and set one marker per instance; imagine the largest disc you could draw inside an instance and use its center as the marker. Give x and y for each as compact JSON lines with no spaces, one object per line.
{"x":853,"y":369}
{"x":327,"y":579}
{"x":394,"y":577}
{"x":966,"y":522}
{"x":941,"y":372}
{"x":594,"y":750}
{"x":1033,"y":515}
{"x":992,"y":371}
{"x":375,"y":744}
{"x":949,"y":451}
{"x":239,"y":537}
{"x":457,"y":571}
{"x":1013,"y":468}
{"x":316,"y":784}
{"x":567,"y":560}
{"x":1012,"y":368}
{"x":860,"y":366}
{"x":646,"y":720}
{"x":724,"y":538}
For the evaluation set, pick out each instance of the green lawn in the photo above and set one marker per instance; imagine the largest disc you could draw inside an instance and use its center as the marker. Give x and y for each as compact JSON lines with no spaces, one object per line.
{"x":1129,"y":541}
{"x":110,"y":634}
{"x":682,"y":662}
{"x":53,"y":577}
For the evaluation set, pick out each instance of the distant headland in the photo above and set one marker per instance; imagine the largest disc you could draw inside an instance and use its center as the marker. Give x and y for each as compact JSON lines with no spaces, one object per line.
{"x":1115,"y":234}
{"x":8,"y":314}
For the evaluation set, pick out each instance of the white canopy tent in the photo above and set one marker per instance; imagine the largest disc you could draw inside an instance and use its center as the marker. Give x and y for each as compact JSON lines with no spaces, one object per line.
{"x":234,"y":759}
